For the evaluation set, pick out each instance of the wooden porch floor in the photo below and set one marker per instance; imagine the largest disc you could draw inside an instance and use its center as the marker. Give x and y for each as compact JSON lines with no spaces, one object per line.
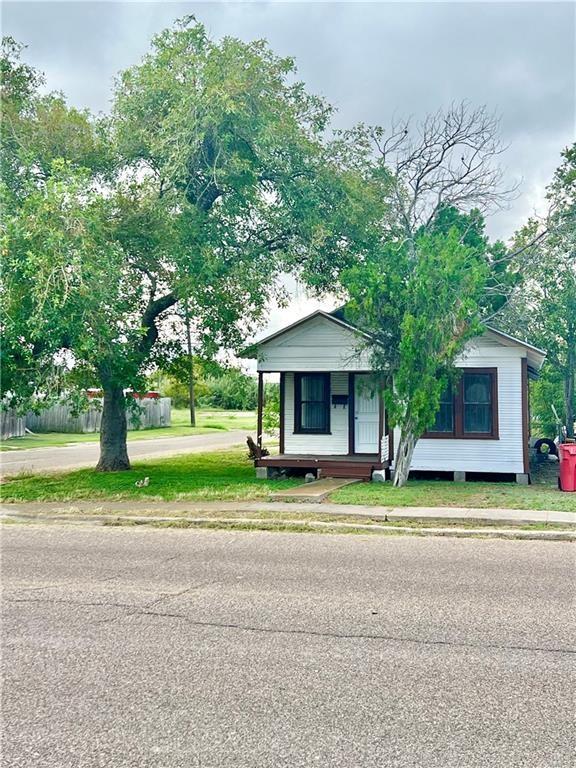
{"x":331,"y":465}
{"x":358,"y":458}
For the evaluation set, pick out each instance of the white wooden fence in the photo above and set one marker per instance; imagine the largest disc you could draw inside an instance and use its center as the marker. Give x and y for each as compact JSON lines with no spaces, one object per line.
{"x":59,"y":418}
{"x":11,"y":425}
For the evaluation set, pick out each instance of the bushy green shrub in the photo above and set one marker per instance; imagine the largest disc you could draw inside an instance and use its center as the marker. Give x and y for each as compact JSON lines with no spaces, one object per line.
{"x":271,"y":415}
{"x":177,"y":391}
{"x":546,"y":392}
{"x":232,"y":390}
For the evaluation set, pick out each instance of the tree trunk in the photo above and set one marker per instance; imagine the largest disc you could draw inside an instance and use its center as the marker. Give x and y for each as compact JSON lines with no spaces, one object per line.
{"x":191,"y":398}
{"x":569,"y":403}
{"x":113,"y":430}
{"x":404,"y":455}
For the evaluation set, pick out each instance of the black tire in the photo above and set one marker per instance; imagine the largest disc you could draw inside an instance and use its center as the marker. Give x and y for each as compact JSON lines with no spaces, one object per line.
{"x":550,"y":444}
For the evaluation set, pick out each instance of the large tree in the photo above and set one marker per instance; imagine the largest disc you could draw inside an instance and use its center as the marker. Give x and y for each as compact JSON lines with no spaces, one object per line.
{"x":217,"y":177}
{"x":543,"y":308}
{"x":431,"y":274}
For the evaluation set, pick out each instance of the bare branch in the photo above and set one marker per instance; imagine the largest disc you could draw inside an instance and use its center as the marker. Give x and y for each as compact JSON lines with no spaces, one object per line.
{"x":451,"y":158}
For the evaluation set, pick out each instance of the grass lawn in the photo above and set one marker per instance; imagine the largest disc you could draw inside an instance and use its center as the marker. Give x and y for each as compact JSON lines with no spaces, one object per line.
{"x":437,"y":493}
{"x":206,"y":420}
{"x":228,"y":475}
{"x":218,"y":475}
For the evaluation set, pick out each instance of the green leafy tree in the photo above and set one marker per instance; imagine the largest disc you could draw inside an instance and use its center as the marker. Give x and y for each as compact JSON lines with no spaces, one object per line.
{"x":544,"y":306}
{"x":431,"y":274}
{"x":271,"y":411}
{"x":218,"y":177}
{"x":232,"y":389}
{"x":420,"y":313}
{"x":546,"y":396}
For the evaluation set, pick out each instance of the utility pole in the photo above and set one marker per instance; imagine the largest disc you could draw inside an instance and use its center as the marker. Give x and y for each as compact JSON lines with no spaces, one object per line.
{"x":191,"y":369}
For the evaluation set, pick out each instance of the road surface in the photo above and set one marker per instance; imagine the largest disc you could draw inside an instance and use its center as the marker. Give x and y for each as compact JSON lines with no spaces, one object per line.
{"x":86,"y":454}
{"x":179,"y":648}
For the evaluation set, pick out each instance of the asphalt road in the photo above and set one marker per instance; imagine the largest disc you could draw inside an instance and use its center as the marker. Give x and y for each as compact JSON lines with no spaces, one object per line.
{"x":164,"y":648}
{"x":86,"y":454}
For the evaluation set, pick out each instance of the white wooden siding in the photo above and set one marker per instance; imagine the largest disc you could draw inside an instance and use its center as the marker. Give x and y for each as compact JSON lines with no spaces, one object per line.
{"x":318,"y":345}
{"x":334,"y":443}
{"x":503,"y":455}
{"x":321,"y":345}
{"x":384,"y":448}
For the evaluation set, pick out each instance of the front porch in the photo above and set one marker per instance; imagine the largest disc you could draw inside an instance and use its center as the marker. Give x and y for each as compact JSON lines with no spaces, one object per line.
{"x":332,"y":465}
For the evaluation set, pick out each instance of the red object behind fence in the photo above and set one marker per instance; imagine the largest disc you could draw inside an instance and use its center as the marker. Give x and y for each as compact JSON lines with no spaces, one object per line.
{"x":567,"y":453}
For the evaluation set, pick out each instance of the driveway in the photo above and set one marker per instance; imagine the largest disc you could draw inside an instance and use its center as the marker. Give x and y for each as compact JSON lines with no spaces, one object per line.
{"x":86,"y":454}
{"x":181,"y":648}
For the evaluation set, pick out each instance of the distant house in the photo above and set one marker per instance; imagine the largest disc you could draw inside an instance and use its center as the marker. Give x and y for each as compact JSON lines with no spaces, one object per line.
{"x":333,"y":421}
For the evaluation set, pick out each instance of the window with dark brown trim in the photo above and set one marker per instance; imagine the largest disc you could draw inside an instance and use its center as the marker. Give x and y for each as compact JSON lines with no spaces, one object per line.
{"x":312,"y":403}
{"x":469,"y":410}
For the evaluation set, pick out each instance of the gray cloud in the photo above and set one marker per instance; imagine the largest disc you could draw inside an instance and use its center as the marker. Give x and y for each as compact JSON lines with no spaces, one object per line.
{"x":372,"y":60}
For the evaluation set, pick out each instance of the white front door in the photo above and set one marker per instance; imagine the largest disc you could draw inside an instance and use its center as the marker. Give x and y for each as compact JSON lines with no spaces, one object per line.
{"x":366,"y":416}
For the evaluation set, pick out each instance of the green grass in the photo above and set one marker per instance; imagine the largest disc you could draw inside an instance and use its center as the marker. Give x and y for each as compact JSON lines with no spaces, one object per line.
{"x":437,"y":493}
{"x":360,"y":527}
{"x":228,"y":475}
{"x":218,"y":475}
{"x":206,"y":420}
{"x":274,"y":523}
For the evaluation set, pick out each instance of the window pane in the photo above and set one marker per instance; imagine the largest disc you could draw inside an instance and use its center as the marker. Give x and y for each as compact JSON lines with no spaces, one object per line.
{"x":444,"y":419}
{"x":477,"y":388}
{"x":445,"y":416}
{"x":478,"y":402}
{"x":312,"y":388}
{"x":314,"y":403}
{"x":478,"y":418}
{"x":314,"y":416}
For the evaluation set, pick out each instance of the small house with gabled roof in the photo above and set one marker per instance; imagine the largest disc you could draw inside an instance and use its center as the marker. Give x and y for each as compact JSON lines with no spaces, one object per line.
{"x":332,"y":416}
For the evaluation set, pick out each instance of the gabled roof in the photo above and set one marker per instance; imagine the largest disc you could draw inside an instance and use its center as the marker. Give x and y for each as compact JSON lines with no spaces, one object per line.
{"x":514,"y":340}
{"x":535,"y":355}
{"x":318,"y":313}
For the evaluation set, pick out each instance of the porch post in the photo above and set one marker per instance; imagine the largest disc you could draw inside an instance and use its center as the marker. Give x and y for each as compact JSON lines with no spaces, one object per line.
{"x":525,"y":418}
{"x":351,"y":421}
{"x":260,"y":409}
{"x":380,"y":423}
{"x":282,"y":406}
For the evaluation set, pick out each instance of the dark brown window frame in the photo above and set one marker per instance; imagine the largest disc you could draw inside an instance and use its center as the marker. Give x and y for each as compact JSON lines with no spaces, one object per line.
{"x":458,"y":431}
{"x":298,"y":428}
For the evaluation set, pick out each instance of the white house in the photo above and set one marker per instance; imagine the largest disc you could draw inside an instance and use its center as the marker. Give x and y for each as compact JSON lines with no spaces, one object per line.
{"x":333,"y":421}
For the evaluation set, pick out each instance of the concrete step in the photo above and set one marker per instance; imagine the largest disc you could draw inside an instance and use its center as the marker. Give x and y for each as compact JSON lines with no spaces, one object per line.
{"x":316,"y":491}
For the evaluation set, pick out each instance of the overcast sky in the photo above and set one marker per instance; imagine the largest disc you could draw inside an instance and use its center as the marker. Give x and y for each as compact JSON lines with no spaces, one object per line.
{"x":372,"y":60}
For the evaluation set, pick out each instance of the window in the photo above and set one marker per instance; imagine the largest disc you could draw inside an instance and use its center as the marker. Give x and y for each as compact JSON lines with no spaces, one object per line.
{"x":445,"y":416}
{"x":312,"y":402}
{"x":477,"y":403}
{"x":470,"y":409}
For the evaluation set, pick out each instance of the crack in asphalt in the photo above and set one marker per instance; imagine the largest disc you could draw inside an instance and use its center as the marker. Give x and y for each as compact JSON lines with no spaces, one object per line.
{"x":145,"y":611}
{"x":67,"y":602}
{"x":136,"y":609}
{"x":358,"y":636}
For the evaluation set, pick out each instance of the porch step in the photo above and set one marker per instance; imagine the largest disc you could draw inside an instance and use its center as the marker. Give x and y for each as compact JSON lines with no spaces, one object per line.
{"x":358,"y":472}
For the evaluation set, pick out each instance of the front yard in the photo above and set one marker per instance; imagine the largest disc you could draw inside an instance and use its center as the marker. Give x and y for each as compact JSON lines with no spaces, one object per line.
{"x":217,"y":475}
{"x":438,"y":493}
{"x":228,"y":475}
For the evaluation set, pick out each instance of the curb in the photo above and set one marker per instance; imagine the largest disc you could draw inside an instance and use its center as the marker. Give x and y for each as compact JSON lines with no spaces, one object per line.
{"x":435,"y":516}
{"x":275,"y":525}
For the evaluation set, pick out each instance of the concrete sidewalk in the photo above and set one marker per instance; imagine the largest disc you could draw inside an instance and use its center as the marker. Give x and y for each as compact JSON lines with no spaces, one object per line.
{"x":178,"y":508}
